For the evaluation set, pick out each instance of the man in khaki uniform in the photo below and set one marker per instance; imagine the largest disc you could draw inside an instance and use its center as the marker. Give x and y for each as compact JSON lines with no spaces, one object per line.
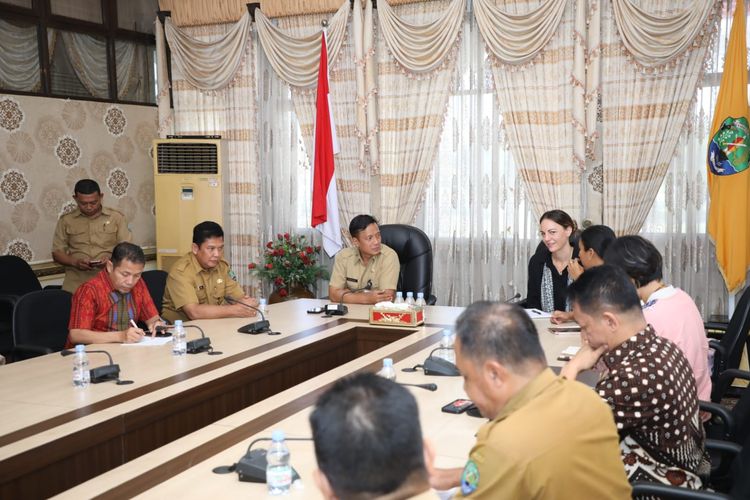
{"x":366,"y":273}
{"x":200,"y":280}
{"x":84,"y":238}
{"x":548,"y":437}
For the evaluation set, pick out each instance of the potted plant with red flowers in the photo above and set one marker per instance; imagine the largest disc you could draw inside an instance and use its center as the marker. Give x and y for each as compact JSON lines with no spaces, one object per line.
{"x":290,"y":264}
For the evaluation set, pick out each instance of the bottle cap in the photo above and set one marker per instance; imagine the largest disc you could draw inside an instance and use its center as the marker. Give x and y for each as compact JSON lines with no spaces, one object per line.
{"x":387,"y":362}
{"x":262,"y":301}
{"x":399,"y":294}
{"x":410,"y":294}
{"x":178,"y":322}
{"x":80,"y":348}
{"x":446,"y":333}
{"x":277,"y":435}
{"x":420,"y":295}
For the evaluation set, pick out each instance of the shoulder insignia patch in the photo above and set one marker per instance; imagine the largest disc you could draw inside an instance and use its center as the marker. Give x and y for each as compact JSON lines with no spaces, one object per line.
{"x":469,"y":478}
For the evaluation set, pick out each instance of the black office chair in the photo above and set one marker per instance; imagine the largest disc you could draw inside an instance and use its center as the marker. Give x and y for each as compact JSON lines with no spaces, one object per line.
{"x":156,"y":281}
{"x":736,"y":486}
{"x":728,"y":349}
{"x":730,"y":424}
{"x":40,"y":323}
{"x":17,"y":279}
{"x":414,"y":251}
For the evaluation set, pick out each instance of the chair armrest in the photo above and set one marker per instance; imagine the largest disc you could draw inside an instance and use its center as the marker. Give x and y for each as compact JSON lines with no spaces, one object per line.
{"x":643,"y":488}
{"x":724,"y":415}
{"x":26,"y":351}
{"x":53,"y":287}
{"x":431,"y":300}
{"x":723,"y":381}
{"x":9,"y":299}
{"x":728,"y":447}
{"x":720,"y":326}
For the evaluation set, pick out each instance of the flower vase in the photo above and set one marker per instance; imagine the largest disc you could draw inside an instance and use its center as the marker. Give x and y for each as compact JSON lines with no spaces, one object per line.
{"x":295,"y":292}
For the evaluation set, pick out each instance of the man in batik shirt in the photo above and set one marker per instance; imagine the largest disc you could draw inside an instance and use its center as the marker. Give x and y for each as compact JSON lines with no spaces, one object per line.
{"x":648,"y":382}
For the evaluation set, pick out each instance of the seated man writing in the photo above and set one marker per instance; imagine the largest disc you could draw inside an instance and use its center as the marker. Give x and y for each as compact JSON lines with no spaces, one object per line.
{"x":106,"y":308}
{"x":199,"y":282}
{"x":368,"y":442}
{"x":367,"y":272}
{"x":649,"y":384}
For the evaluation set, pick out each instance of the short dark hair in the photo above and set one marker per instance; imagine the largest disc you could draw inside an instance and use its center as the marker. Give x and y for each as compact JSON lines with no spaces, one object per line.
{"x":495,"y":330}
{"x":604,"y":287}
{"x":360,"y":223}
{"x":127,"y":251}
{"x":598,"y":238}
{"x":86,"y":186}
{"x":638,"y":257}
{"x":205,"y":230}
{"x":368,"y":441}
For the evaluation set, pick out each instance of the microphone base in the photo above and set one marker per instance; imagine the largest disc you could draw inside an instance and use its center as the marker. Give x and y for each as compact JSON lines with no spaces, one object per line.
{"x":198,"y":345}
{"x":336,"y":309}
{"x":252,"y":467}
{"x":256,"y":328}
{"x":106,"y":373}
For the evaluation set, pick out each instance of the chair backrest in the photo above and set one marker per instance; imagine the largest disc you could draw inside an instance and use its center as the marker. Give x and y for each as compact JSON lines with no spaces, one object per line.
{"x":156,"y":281}
{"x":735,"y":337}
{"x":16,"y":276}
{"x":41,"y":318}
{"x":414,"y":251}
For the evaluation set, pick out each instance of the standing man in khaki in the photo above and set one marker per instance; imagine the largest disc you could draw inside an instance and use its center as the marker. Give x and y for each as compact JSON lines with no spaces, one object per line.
{"x":84,"y":238}
{"x":366,"y":273}
{"x":200,"y":280}
{"x":548,"y":437}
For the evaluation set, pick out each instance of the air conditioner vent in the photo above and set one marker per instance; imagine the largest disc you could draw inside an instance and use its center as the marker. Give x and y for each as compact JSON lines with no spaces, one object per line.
{"x":187,"y":158}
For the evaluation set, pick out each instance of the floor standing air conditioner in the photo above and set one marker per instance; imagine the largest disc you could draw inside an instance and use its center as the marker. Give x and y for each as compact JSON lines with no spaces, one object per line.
{"x":188,"y":189}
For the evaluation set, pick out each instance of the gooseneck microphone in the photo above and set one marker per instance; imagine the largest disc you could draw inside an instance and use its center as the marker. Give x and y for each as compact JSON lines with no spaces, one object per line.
{"x":194,"y":346}
{"x":104,"y":373}
{"x":429,"y":387}
{"x":262,"y":326}
{"x":513,"y":299}
{"x":340,"y":309}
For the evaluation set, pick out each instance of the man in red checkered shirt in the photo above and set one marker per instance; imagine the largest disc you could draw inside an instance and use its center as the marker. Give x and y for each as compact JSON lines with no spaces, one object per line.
{"x":105,"y":307}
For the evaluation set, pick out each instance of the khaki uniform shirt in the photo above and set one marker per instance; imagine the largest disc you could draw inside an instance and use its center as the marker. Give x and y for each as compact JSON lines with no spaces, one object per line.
{"x":350,"y":272}
{"x":552,"y":440}
{"x":91,"y":237}
{"x":189,"y":283}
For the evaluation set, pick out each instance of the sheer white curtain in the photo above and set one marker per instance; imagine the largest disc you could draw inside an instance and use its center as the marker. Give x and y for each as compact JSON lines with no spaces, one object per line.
{"x":19,"y":64}
{"x":476,"y":211}
{"x":230,"y":112}
{"x":285,"y":172}
{"x":677,"y":220}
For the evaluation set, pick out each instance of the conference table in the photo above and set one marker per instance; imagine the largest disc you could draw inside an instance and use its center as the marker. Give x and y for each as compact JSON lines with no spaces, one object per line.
{"x":184,"y":416}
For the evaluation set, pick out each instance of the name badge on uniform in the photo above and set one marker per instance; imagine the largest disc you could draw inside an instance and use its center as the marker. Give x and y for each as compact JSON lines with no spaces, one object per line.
{"x":219,"y":281}
{"x":352,"y":280}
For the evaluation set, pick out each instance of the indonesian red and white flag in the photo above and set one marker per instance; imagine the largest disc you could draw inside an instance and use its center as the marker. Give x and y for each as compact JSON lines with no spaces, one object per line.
{"x":325,"y":205}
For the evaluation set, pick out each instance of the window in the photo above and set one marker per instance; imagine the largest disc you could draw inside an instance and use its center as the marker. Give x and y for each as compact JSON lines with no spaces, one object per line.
{"x":92,"y":49}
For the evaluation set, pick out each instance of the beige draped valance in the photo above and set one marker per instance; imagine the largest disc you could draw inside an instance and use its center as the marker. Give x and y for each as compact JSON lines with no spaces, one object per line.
{"x":421,"y":48}
{"x":517,"y":38}
{"x":208,"y":65}
{"x":654,"y":40}
{"x":296,"y":60}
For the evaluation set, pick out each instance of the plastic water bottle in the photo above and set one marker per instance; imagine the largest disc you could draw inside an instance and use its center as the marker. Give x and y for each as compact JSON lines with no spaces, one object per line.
{"x":263,"y":305}
{"x":278,"y":470}
{"x":446,"y":351}
{"x":410,"y":299}
{"x":81,"y":375}
{"x":399,"y":298}
{"x":179,"y":345}
{"x":388,"y":371}
{"x":420,"y":300}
